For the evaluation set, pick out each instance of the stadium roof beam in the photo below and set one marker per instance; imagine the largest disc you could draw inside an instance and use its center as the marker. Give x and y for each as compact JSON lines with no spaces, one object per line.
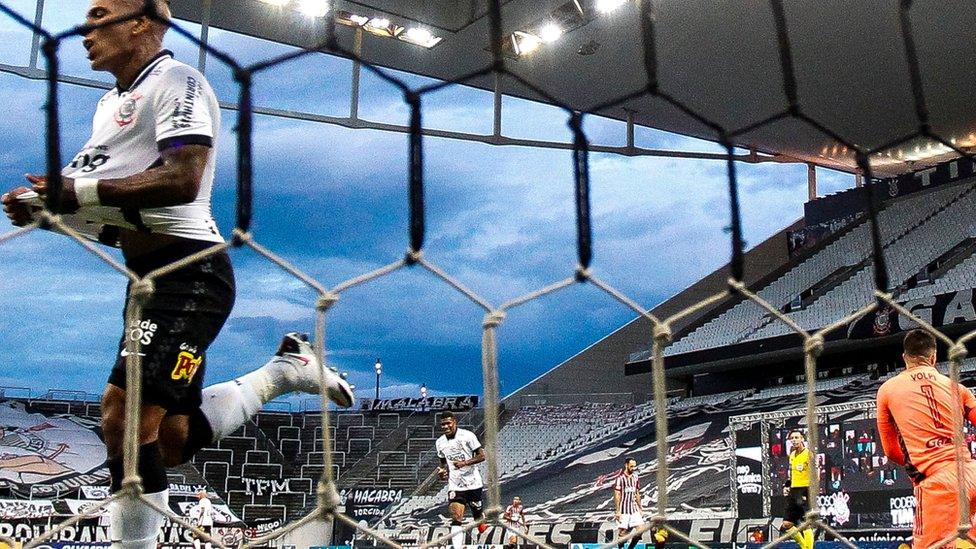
{"x":723,"y":63}
{"x":353,"y":121}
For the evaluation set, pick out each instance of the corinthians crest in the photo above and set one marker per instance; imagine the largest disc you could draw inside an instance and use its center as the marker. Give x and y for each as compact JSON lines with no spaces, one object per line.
{"x":126,"y":114}
{"x":882,"y":321}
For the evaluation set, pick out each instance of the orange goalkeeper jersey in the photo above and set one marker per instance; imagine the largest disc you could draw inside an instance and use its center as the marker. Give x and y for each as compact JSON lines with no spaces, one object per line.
{"x":915,"y":416}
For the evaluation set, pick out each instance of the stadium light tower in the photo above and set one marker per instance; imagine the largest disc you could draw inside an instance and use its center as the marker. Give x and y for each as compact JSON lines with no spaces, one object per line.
{"x":379,"y":371}
{"x":423,"y":391}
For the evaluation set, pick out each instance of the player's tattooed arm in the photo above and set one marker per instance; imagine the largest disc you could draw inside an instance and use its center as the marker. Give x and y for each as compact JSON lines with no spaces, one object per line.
{"x":176,"y":180}
{"x":479,"y":456}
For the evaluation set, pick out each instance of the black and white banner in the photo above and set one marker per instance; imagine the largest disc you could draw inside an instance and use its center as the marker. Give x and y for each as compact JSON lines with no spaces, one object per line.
{"x":370,"y":504}
{"x":938,"y":310}
{"x":46,"y":456}
{"x":221,"y":513}
{"x":430,"y":404}
{"x":25,"y":509}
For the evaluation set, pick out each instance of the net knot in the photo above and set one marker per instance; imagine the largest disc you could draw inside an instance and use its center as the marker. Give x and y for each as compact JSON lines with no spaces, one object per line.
{"x":493,"y":319}
{"x":958,"y":352}
{"x":582,"y":274}
{"x":736,"y":286}
{"x":414,"y":256}
{"x":328,"y":497}
{"x":131,"y":486}
{"x":141,"y":290}
{"x":662,"y":333}
{"x":813,"y":346}
{"x":242,"y":76}
{"x":492,"y":513}
{"x":239,"y":238}
{"x":326,"y":301}
{"x":47,"y":220}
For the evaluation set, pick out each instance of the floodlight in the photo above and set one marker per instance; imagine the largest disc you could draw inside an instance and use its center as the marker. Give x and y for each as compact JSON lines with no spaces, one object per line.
{"x":313,"y":8}
{"x":525,"y":43}
{"x":550,"y":32}
{"x":607,"y":6}
{"x":382,"y":26}
{"x":419,"y":36}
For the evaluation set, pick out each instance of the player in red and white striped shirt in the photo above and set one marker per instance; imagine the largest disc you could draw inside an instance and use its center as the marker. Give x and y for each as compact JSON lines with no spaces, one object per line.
{"x":627,"y":501}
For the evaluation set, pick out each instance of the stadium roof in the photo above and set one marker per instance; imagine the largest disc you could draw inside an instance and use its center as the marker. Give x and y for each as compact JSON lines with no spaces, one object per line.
{"x":720,"y":58}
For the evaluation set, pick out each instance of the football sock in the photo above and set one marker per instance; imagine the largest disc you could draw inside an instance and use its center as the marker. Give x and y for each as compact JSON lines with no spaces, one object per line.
{"x":227,"y":406}
{"x":135,"y":525}
{"x":457,"y":534}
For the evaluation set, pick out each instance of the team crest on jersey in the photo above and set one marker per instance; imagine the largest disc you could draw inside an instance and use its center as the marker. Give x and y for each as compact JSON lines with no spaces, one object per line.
{"x":126,"y":114}
{"x":186,"y":366}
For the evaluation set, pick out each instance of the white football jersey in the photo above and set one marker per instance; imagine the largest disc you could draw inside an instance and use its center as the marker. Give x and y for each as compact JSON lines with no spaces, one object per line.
{"x":169,"y":104}
{"x":462,"y":446}
{"x":203,"y":513}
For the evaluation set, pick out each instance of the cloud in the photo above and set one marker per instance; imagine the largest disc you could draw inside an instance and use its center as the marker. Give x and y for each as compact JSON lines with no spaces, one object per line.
{"x":333,"y":201}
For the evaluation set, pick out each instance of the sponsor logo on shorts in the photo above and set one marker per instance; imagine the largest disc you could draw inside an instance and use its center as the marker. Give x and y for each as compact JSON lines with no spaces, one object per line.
{"x":143,"y":331}
{"x":186,"y":366}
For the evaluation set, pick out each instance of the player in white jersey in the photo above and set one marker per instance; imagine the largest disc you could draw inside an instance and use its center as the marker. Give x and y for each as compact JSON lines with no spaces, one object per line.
{"x":627,"y":501}
{"x":142,"y":183}
{"x":202,"y":515}
{"x":459,"y":451}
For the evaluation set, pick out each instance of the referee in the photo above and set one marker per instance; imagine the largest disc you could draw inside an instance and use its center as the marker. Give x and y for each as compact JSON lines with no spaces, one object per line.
{"x":797,"y":495}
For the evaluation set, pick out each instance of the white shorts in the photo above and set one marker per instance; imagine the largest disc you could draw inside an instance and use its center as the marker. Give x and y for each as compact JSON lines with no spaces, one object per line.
{"x":633,"y":520}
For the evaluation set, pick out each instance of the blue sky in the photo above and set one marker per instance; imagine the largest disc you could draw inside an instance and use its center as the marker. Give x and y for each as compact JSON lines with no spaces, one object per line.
{"x":333,"y":201}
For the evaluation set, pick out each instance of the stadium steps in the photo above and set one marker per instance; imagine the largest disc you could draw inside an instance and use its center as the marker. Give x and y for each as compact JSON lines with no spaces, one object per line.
{"x":396,"y":437}
{"x":945,"y":264}
{"x":734,"y":299}
{"x":822,"y":288}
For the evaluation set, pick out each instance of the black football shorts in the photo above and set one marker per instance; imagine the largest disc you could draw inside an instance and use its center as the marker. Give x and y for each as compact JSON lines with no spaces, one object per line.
{"x":177,"y":324}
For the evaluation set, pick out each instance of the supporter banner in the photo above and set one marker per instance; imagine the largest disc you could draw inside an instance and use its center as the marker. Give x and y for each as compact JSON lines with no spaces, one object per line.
{"x":715,"y":532}
{"x":939,"y":310}
{"x":86,"y":507}
{"x":46,"y":456}
{"x":90,"y":533}
{"x":21,"y":508}
{"x":96,"y":492}
{"x":429,"y":404}
{"x":809,"y":236}
{"x":71,"y":545}
{"x":261,"y":527}
{"x":261,"y":486}
{"x":189,"y":490}
{"x":221,"y":513}
{"x":940,"y":174}
{"x":369,"y":504}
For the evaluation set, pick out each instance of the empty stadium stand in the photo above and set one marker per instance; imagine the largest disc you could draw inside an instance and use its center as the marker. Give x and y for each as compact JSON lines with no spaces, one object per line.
{"x":836,"y":277}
